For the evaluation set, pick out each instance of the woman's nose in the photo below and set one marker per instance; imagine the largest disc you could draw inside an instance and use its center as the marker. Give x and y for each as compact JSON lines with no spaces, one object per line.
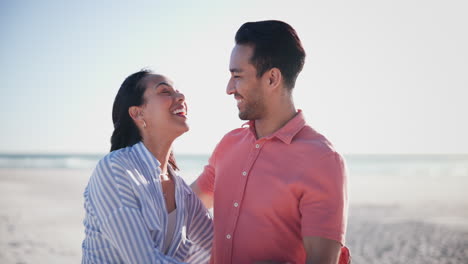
{"x":180,"y":96}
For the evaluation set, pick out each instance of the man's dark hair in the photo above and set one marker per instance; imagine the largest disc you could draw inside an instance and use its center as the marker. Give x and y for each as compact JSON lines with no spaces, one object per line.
{"x":275,"y":45}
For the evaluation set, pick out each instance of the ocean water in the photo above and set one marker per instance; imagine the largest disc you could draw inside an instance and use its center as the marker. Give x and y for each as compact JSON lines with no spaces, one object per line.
{"x":49,"y":161}
{"x":372,"y":179}
{"x":441,"y":180}
{"x":190,"y":165}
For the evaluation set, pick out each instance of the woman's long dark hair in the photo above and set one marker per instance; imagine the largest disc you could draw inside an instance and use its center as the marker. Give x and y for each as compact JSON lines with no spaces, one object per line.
{"x":126,"y":133}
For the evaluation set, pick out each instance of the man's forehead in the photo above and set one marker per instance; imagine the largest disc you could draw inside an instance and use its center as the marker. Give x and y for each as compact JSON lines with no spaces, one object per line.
{"x":240,"y":50}
{"x":240,"y":58}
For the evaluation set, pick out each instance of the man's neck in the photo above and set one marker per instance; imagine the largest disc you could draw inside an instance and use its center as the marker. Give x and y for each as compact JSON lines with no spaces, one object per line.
{"x":275,"y":119}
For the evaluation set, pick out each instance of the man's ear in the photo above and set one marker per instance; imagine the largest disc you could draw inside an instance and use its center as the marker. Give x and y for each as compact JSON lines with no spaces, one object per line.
{"x":275,"y":78}
{"x":135,"y":113}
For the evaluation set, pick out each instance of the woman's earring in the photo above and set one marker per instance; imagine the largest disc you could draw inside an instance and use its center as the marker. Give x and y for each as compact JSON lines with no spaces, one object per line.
{"x":144,"y":124}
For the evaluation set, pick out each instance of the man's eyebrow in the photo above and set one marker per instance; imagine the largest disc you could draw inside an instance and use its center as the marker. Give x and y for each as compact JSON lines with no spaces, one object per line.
{"x":235,"y":70}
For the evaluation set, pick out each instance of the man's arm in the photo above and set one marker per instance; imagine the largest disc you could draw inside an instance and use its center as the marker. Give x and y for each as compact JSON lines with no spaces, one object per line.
{"x":207,"y":181}
{"x":320,"y":250}
{"x":207,"y":199}
{"x":324,"y":209}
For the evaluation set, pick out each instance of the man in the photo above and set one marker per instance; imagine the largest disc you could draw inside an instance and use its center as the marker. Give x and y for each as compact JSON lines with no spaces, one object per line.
{"x":278,"y":187}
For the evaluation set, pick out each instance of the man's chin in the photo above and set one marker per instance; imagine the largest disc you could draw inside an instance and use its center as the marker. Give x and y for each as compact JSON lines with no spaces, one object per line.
{"x":243,"y":116}
{"x":249,"y":115}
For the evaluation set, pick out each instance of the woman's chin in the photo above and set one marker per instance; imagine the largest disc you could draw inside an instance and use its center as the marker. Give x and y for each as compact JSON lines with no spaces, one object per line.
{"x":182,"y":130}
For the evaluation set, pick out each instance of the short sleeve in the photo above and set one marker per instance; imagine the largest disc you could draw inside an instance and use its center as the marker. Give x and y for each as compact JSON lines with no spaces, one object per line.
{"x":324,"y":201}
{"x":206,"y":180}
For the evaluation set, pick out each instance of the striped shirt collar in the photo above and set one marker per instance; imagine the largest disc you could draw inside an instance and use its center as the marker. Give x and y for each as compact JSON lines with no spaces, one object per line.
{"x":145,"y":155}
{"x":153,"y":164}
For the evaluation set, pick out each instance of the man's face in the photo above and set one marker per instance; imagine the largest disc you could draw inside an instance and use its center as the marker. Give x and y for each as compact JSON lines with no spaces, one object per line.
{"x":244,"y":84}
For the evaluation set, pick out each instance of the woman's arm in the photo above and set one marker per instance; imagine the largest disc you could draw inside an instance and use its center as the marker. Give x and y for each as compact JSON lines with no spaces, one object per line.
{"x":199,"y":230}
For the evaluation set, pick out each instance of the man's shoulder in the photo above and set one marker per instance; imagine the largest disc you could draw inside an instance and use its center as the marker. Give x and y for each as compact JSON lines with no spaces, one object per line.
{"x":240,"y":131}
{"x":237,"y":133}
{"x":313,"y":142}
{"x":233,"y":137}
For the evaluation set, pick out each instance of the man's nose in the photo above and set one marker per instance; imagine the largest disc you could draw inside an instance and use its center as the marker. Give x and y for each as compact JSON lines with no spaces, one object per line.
{"x":230,"y":88}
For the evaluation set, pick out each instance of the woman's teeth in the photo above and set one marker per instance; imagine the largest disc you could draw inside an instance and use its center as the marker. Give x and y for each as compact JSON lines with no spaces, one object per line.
{"x":180,"y":111}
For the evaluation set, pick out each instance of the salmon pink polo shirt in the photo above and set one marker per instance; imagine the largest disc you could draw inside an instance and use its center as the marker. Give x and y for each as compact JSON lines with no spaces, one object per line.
{"x":270,"y":192}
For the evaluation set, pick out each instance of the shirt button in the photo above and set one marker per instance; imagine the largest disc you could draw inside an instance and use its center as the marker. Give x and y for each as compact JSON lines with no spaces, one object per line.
{"x":244,"y":173}
{"x":257,"y":146}
{"x":228,"y":236}
{"x":236,"y":204}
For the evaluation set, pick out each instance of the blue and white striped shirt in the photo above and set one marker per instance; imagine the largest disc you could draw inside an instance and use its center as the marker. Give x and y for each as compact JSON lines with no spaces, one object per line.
{"x":126,"y":217}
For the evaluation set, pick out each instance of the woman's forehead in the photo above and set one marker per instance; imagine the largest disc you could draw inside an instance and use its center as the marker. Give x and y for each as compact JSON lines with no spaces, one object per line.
{"x":154,"y":80}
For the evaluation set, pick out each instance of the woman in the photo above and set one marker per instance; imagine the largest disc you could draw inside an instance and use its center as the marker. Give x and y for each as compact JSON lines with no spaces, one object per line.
{"x":138,"y":209}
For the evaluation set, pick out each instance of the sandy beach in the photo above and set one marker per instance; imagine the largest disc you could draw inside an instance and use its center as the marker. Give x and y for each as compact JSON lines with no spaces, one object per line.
{"x":41,"y":215}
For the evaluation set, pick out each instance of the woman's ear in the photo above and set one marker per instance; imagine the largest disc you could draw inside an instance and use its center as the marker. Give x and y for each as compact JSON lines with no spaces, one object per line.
{"x":135,"y":113}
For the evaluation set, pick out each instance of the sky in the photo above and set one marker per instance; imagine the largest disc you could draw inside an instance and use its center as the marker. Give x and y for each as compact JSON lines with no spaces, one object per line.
{"x":380,"y":76}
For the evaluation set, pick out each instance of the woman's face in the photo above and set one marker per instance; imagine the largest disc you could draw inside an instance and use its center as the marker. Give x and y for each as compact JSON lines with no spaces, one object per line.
{"x":164,"y":109}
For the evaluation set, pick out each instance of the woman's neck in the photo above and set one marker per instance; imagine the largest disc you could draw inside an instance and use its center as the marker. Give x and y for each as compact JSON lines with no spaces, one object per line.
{"x":161,"y":150}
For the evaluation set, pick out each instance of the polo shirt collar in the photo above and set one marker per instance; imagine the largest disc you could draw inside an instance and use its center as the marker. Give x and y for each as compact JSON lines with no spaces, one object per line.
{"x":288,"y":131}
